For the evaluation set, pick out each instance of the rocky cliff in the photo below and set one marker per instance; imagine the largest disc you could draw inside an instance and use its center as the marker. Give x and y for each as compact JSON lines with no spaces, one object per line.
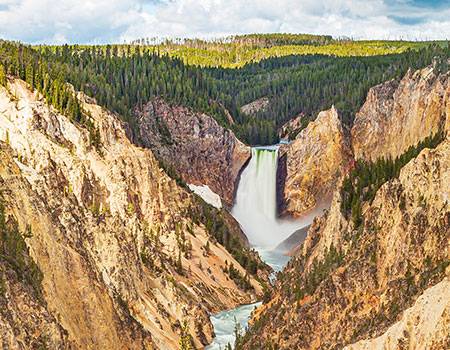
{"x":256,"y":106}
{"x":291,"y":128}
{"x":312,"y":165}
{"x":111,"y":253}
{"x":397,"y":115}
{"x":195,"y":145}
{"x":352,"y":283}
{"x":377,"y":280}
{"x":422,"y":326}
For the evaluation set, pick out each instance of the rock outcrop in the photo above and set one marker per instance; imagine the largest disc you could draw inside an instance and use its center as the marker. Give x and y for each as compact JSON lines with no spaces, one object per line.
{"x":396,"y":115}
{"x":256,"y":106}
{"x":423,"y":326}
{"x":291,"y":244}
{"x":312,"y":165}
{"x":121,"y":247}
{"x":290,"y":129}
{"x":195,"y":145}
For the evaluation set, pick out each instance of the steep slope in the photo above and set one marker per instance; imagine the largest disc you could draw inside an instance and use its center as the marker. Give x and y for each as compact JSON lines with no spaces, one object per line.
{"x":353,"y":283}
{"x":423,"y":326}
{"x":396,"y":115}
{"x":122,"y":248}
{"x":195,"y":145}
{"x":290,"y":129}
{"x":24,"y":318}
{"x":365,"y":283}
{"x":312,"y":164}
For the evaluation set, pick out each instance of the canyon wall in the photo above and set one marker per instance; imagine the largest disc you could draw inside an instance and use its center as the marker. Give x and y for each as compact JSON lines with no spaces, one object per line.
{"x":311,"y":165}
{"x":114,"y":252}
{"x":397,"y":116}
{"x":380,"y":282}
{"x":200,"y":150}
{"x":351,"y":283}
{"x":394,"y":117}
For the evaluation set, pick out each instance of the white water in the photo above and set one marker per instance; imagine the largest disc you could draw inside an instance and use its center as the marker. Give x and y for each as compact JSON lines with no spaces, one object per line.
{"x":255,"y":210}
{"x":256,"y":202}
{"x":225,"y":322}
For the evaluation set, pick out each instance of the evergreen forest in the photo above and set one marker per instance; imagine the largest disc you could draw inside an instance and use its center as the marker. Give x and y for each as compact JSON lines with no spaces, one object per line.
{"x":123,"y":78}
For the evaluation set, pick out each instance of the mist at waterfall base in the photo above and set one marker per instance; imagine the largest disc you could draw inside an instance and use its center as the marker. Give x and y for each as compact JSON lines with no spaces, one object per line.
{"x":255,"y":210}
{"x":256,"y":202}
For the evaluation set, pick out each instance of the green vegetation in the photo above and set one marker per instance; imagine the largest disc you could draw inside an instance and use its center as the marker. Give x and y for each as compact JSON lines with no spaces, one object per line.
{"x":186,"y":342}
{"x":216,"y":226}
{"x":237,"y":51}
{"x":14,"y":254}
{"x":27,"y":64}
{"x":366,"y":178}
{"x":319,"y":271}
{"x":241,"y":281}
{"x":307,"y":85}
{"x":125,"y":77}
{"x":238,"y":336}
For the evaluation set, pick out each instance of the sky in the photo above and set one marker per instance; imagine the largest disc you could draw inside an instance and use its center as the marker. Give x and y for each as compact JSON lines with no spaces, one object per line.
{"x":117,"y":21}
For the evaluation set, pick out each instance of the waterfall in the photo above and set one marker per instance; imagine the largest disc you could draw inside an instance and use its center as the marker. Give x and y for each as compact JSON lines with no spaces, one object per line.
{"x":256,"y":211}
{"x":255,"y":207}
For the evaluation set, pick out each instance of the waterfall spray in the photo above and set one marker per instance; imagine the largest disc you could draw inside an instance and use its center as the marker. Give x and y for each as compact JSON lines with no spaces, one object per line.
{"x":255,"y":207}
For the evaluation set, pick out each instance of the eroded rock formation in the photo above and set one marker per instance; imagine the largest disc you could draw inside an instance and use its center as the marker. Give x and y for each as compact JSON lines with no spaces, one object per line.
{"x":290,"y":129}
{"x":312,"y":164}
{"x":381,"y":282}
{"x":122,"y":248}
{"x":396,"y":115}
{"x":256,"y":106}
{"x":201,"y":151}
{"x":349,"y":283}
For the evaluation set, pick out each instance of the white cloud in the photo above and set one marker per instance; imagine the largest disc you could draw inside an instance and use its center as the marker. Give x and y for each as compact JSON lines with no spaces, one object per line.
{"x":99,"y":21}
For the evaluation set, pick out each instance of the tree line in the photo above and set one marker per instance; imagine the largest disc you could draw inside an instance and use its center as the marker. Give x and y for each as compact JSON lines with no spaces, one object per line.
{"x":123,"y":78}
{"x":363,"y":182}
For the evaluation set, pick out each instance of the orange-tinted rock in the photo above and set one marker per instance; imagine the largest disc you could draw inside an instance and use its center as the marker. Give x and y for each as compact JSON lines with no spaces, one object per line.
{"x":312,"y":164}
{"x":201,"y":151}
{"x":396,"y":116}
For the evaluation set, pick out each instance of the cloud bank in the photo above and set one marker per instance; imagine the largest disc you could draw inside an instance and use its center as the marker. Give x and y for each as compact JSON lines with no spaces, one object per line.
{"x":116,"y":21}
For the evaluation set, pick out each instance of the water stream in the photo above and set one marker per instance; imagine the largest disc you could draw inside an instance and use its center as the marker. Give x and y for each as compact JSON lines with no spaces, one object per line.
{"x":255,"y":210}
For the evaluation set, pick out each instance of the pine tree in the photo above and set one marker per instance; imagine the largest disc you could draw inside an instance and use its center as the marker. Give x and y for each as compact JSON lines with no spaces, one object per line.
{"x":2,"y":75}
{"x":185,"y":337}
{"x":179,"y":265}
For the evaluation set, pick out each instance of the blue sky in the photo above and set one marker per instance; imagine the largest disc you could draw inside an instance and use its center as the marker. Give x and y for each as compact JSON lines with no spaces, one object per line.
{"x":107,"y":21}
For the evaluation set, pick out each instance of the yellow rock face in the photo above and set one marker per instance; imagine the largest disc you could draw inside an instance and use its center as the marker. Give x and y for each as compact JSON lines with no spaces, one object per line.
{"x":422,"y":326}
{"x":397,"y":116}
{"x":109,"y":228}
{"x":383,"y":284}
{"x":313,"y":164}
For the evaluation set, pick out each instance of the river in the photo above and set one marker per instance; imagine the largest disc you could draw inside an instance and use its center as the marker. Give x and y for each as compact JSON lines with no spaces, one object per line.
{"x":255,"y":210}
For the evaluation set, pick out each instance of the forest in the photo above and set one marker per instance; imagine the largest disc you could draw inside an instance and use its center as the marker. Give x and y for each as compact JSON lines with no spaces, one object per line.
{"x":239,"y":50}
{"x":124,"y":77}
{"x":363,"y":182}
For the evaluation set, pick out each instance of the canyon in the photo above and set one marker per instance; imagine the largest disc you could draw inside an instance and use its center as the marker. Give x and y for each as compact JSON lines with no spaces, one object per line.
{"x":363,"y":284}
{"x":124,"y":256}
{"x":372,"y":277}
{"x":202,"y":152}
{"x":140,"y":236}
